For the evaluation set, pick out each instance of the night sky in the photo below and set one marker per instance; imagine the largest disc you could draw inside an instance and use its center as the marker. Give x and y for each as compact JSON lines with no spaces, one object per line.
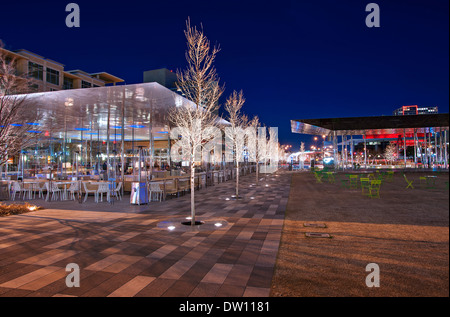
{"x":292,"y":59}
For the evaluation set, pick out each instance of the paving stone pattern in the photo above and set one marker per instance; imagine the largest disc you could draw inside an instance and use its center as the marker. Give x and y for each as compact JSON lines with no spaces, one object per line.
{"x":122,"y":249}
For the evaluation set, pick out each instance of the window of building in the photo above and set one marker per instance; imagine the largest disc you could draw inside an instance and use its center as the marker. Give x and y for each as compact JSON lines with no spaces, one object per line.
{"x":52,"y":76}
{"x":68,"y":83}
{"x":36,"y":71}
{"x":85,"y":84}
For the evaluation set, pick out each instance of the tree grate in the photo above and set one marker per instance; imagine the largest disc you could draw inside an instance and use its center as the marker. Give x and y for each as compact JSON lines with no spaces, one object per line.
{"x":317,"y":235}
{"x":315,"y":225}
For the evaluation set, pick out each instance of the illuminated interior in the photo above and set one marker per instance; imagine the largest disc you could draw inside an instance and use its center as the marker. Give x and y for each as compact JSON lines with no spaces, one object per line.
{"x":98,"y":127}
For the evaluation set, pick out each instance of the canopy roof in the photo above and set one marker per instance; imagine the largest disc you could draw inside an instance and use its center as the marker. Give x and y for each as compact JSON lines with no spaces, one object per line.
{"x":370,"y":125}
{"x":139,"y":107}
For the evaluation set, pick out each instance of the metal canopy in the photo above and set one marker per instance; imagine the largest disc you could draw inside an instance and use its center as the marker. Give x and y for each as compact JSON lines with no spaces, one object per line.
{"x":370,"y":125}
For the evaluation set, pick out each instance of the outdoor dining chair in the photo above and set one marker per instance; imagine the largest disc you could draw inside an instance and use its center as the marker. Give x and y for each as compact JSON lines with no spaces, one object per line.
{"x":103,"y":188}
{"x":116,"y":192}
{"x":365,"y":185}
{"x":389,"y":176}
{"x":73,"y":189}
{"x":40,"y":189}
{"x":374,"y":189}
{"x":17,"y":188}
{"x":344,"y":183}
{"x":89,"y":190}
{"x":379,"y":176}
{"x":354,"y":181}
{"x":318,"y":177}
{"x":155,"y":192}
{"x":408,"y":182}
{"x":422,"y":179}
{"x":53,"y":189}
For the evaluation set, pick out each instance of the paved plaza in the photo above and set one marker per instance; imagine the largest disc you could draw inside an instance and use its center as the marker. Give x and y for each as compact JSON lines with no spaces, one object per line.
{"x":405,"y":232}
{"x":256,"y":246}
{"x":128,"y":250}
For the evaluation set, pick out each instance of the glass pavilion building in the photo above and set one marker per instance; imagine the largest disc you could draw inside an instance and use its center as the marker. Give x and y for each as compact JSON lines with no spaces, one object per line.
{"x":99,"y":132}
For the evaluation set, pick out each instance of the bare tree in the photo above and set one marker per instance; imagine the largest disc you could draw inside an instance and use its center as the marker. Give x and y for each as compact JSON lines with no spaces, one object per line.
{"x":390,"y":152}
{"x":282,"y":155}
{"x":302,"y":155}
{"x":199,"y":83}
{"x":253,"y":142}
{"x":268,"y":149}
{"x":235,"y":134}
{"x":16,"y":116}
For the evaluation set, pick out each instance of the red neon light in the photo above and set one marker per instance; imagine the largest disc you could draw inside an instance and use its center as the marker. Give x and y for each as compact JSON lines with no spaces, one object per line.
{"x":407,"y":108}
{"x":392,"y":136}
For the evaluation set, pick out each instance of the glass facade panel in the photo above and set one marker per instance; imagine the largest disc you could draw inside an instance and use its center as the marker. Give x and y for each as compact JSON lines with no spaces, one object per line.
{"x":68,"y":83}
{"x":36,"y":71}
{"x":52,"y":76}
{"x":85,"y":84}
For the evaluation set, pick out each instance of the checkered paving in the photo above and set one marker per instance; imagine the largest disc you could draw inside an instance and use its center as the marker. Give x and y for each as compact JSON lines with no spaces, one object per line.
{"x":122,"y":250}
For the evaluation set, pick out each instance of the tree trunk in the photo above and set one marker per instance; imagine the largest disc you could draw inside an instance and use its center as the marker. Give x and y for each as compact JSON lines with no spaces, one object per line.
{"x":192,"y":193}
{"x":257,"y":172}
{"x":237,"y":180}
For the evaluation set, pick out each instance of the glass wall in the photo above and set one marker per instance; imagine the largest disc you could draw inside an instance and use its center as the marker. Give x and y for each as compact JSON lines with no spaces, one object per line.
{"x":98,"y":132}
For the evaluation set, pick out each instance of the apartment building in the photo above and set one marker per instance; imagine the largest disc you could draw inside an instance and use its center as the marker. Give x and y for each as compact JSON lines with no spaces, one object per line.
{"x":50,"y":75}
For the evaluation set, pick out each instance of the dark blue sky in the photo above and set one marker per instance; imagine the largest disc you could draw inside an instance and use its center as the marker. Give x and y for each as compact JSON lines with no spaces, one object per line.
{"x":293,"y":59}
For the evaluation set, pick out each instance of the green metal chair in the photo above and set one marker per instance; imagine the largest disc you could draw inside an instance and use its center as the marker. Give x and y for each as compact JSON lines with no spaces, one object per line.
{"x":422,"y":179}
{"x":389,"y":176}
{"x":318,"y":177}
{"x":408,"y":182}
{"x":380,"y":176}
{"x":374,"y":189}
{"x":345,"y":183}
{"x":365,"y":184}
{"x":330,"y":177}
{"x":354,"y":181}
{"x":431,"y":182}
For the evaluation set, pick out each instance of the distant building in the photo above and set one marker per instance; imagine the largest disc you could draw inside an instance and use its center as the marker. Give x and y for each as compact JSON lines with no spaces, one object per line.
{"x":414,"y":110}
{"x":162,"y":76}
{"x":166,"y":78}
{"x":49,"y":75}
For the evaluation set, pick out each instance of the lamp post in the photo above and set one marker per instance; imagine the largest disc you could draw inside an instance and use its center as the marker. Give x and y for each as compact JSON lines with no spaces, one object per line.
{"x":323,"y":150}
{"x":313,"y":148}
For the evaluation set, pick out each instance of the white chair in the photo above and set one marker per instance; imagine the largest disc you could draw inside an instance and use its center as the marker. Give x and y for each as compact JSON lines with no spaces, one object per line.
{"x":103,"y":188}
{"x":155,"y":191}
{"x":53,"y":189}
{"x":17,"y":188}
{"x":116,"y":192}
{"x":73,"y":189}
{"x":40,"y":187}
{"x":90,"y":191}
